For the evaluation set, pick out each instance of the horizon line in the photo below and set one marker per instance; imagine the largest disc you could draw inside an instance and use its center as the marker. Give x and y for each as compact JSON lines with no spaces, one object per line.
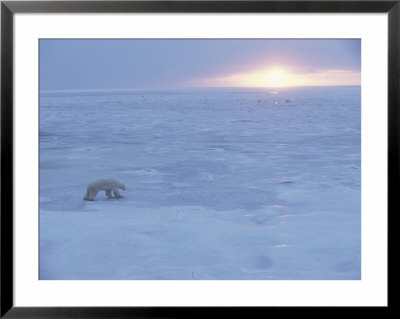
{"x":199,"y":87}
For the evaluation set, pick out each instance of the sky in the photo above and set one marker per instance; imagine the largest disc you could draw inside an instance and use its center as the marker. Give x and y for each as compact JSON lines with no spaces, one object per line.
{"x":123,"y":64}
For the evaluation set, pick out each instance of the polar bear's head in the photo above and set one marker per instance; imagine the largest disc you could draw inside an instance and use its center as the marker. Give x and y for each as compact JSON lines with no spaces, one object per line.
{"x":122,"y":186}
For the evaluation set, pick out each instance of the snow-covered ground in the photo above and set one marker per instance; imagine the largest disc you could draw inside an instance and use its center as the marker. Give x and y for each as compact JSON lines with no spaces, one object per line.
{"x":221,"y":184}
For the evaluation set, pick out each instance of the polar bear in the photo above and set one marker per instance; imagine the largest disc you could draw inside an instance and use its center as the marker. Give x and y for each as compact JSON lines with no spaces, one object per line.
{"x":105,"y":184}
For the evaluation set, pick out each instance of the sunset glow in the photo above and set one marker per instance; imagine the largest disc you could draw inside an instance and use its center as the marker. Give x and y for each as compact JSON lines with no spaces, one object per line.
{"x":277,"y":78}
{"x":280,"y":76}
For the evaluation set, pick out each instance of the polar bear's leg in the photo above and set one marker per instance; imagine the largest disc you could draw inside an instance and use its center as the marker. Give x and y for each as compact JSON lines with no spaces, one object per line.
{"x":117,"y":194}
{"x":108,"y":193}
{"x":86,"y":195}
{"x":92,"y":195}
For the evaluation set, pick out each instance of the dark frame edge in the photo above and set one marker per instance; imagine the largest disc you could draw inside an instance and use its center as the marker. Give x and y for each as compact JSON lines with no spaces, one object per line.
{"x":207,"y":6}
{"x":8,"y":8}
{"x":176,"y":312}
{"x":6,"y":221}
{"x":393,"y":122}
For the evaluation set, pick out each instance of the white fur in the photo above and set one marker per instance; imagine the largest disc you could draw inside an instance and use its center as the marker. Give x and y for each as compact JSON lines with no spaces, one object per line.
{"x":105,"y":184}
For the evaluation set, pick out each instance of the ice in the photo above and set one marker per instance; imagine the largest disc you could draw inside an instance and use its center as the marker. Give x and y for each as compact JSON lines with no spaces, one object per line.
{"x":221,"y":184}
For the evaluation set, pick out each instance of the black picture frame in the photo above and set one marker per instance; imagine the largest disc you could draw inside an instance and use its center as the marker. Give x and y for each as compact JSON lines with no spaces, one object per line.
{"x":9,"y":8}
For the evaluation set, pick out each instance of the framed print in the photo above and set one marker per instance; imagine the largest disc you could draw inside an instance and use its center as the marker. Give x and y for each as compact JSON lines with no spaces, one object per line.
{"x":183,"y":158}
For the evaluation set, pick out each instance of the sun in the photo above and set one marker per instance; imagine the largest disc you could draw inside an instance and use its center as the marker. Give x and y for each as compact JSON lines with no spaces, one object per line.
{"x":276,"y":77}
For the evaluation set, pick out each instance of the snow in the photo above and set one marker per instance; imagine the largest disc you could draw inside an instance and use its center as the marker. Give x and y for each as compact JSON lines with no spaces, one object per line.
{"x":222,"y":183}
